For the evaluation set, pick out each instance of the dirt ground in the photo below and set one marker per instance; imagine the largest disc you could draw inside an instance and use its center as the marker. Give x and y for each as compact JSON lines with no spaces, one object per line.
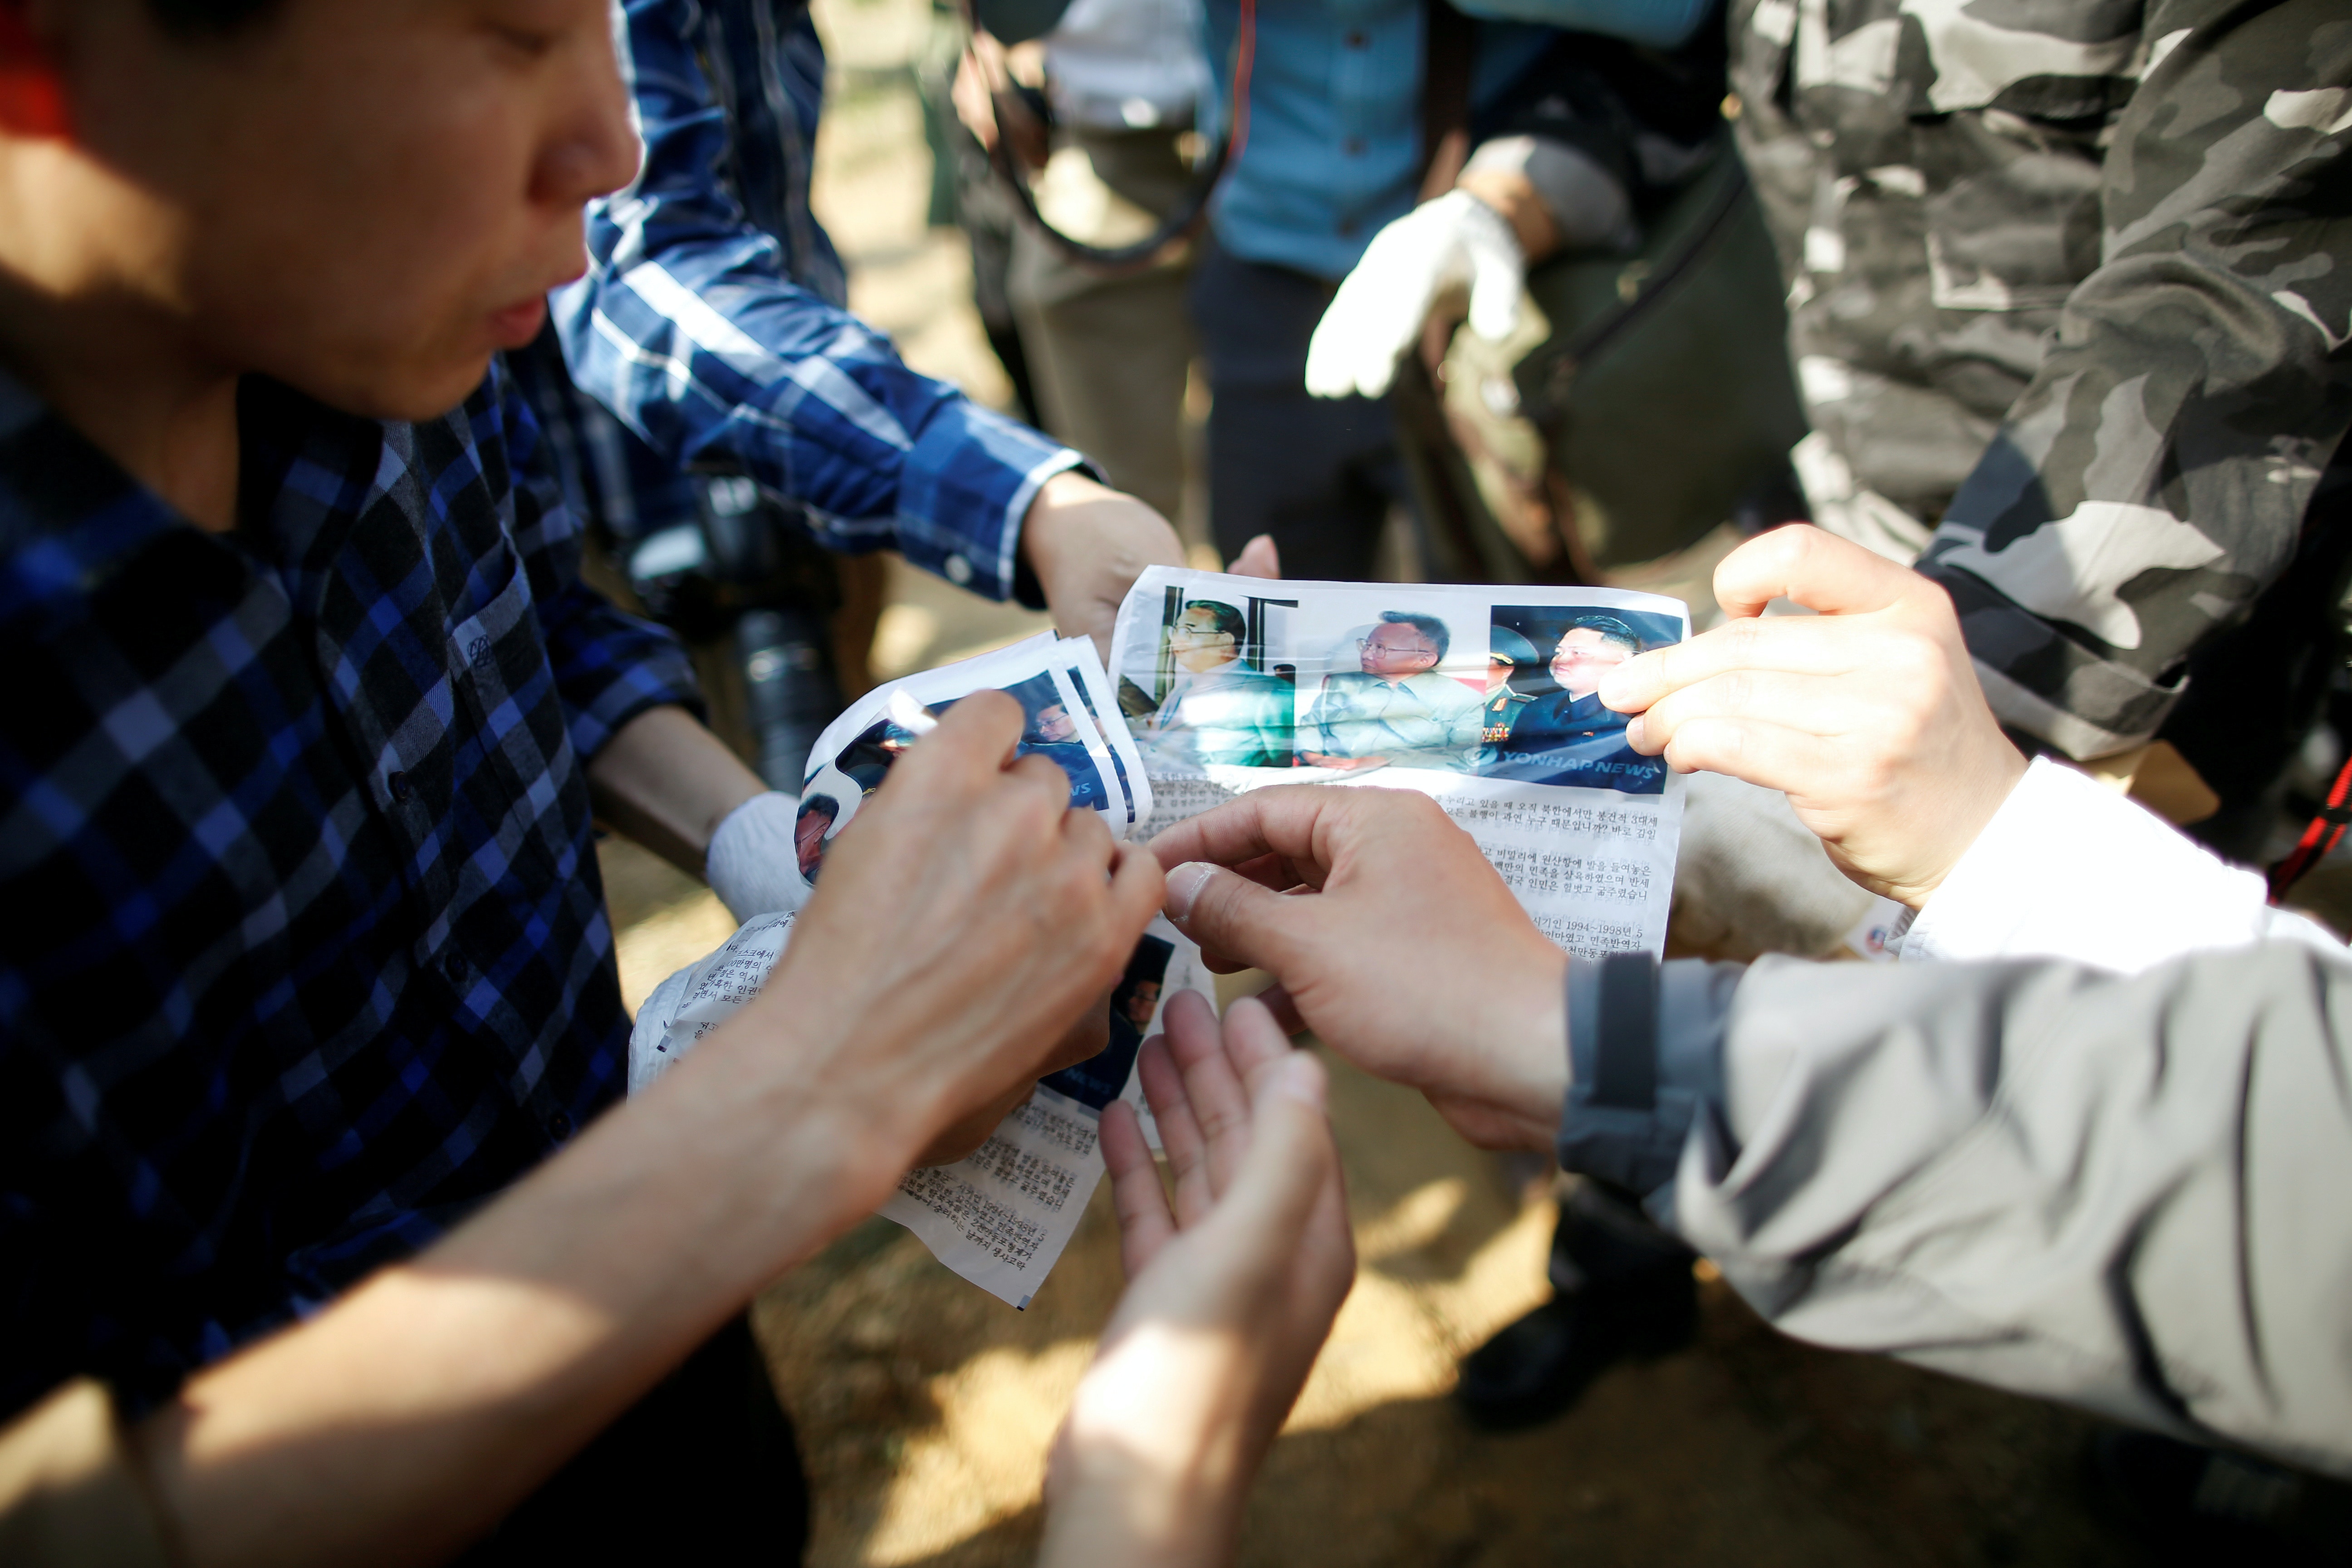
{"x":925,"y":1406}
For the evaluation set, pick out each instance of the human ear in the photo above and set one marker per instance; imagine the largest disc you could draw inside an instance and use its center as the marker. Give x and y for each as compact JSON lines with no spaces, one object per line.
{"x":32,"y":98}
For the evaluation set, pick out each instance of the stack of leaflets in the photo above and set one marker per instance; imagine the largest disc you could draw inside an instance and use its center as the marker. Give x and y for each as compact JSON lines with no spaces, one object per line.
{"x":1002,"y":1215}
{"x":1482,"y":698}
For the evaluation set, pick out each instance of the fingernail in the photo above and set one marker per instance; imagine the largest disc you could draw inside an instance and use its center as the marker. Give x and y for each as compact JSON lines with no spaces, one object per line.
{"x":1634,"y":731}
{"x":1184,"y":884}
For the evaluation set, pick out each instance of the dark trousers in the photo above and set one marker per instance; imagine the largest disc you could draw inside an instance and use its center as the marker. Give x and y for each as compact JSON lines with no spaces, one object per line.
{"x":702,"y":1469}
{"x":1319,"y":474}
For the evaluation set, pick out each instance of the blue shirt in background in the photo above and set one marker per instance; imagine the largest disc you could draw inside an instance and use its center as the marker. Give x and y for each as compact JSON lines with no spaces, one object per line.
{"x":1335,"y":129}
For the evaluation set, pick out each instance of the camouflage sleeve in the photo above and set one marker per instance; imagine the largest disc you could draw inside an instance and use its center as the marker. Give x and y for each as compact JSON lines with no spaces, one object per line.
{"x":2152,"y":479}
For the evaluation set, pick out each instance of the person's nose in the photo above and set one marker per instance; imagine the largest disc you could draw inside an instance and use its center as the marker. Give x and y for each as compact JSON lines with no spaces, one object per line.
{"x":596,"y":150}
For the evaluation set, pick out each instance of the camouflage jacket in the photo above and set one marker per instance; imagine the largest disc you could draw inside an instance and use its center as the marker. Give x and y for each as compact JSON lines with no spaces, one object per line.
{"x":2070,"y":285}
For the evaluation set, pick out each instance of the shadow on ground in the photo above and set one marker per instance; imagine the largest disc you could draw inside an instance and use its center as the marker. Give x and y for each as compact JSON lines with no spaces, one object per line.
{"x":926,"y":1409}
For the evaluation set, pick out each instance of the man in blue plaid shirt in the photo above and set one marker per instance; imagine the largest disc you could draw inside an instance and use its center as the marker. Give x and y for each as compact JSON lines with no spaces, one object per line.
{"x":307,"y":960}
{"x":709,"y":335}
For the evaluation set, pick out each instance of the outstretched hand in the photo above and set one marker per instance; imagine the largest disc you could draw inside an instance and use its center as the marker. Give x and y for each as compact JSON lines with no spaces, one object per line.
{"x":1233,"y":1284}
{"x":1087,"y":543}
{"x":1393,"y":939}
{"x":1868,"y":714}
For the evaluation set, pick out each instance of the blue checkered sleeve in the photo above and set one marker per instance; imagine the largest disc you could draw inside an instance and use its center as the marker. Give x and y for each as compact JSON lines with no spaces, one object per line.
{"x":609,"y":666}
{"x":689,"y":327}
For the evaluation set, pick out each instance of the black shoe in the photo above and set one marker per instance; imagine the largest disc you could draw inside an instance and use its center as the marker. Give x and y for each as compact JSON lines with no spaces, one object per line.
{"x":2190,"y":1504}
{"x":1538,"y":1367}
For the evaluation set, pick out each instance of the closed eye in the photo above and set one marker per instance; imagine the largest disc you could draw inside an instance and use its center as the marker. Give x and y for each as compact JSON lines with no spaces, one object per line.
{"x":529,"y":42}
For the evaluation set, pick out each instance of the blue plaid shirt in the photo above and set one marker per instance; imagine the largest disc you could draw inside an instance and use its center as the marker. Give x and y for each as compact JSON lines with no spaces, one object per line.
{"x":710,"y":323}
{"x":307,"y":953}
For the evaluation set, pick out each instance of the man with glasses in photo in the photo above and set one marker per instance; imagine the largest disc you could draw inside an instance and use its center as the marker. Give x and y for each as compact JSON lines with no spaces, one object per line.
{"x":1397,"y":708}
{"x":1217,"y":711}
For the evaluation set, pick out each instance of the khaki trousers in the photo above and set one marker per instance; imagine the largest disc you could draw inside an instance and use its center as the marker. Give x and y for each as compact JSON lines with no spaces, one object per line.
{"x":1109,"y":355}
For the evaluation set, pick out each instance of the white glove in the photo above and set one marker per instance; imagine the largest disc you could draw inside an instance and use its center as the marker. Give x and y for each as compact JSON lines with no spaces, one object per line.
{"x":752,"y":863}
{"x":1378,"y":311}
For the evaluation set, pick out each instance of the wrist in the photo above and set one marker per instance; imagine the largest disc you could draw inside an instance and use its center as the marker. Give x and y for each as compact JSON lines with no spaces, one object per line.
{"x":1556,"y":195}
{"x":1164,"y":1492}
{"x":1086,"y":543}
{"x":1045,"y":527}
{"x":1527,"y":1043}
{"x":1105,"y":1503}
{"x":785,"y":1137}
{"x":1513,"y":199}
{"x":2005,"y":768}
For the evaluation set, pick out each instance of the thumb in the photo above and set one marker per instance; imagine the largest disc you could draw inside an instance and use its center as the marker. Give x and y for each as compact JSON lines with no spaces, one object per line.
{"x":1231,"y":916}
{"x":1497,"y":282}
{"x":1259,"y":558}
{"x":1808,"y":566}
{"x":1331,"y":358}
{"x":1284,"y":1170}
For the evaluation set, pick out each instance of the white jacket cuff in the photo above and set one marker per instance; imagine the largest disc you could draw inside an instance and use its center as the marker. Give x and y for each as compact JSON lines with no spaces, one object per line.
{"x":2068,"y":868}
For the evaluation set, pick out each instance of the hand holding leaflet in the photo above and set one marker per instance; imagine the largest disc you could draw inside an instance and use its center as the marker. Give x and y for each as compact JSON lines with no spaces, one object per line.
{"x":1337,"y":893}
{"x":1061,"y":688}
{"x":1868,"y":714}
{"x":998,"y":1192}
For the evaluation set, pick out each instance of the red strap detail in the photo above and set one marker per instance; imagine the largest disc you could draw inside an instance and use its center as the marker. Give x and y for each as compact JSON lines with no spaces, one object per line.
{"x":32,"y":103}
{"x":2318,"y":841}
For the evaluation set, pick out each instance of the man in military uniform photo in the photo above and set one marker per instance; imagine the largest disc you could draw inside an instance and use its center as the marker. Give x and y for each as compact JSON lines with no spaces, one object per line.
{"x":1507,"y":653}
{"x":1569,"y":737}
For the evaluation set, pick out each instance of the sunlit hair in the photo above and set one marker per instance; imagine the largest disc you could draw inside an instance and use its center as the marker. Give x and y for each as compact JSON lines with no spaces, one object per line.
{"x":1611,"y":629}
{"x":1228,"y":619}
{"x":1429,"y":626}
